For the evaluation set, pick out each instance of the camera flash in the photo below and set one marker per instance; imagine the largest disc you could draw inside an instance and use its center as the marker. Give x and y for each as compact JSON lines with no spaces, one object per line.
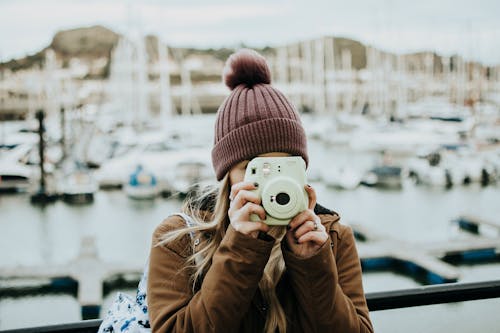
{"x":266,"y":169}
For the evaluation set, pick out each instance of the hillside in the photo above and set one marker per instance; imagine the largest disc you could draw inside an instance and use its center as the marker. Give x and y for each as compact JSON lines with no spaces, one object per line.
{"x":90,"y":43}
{"x":95,"y":43}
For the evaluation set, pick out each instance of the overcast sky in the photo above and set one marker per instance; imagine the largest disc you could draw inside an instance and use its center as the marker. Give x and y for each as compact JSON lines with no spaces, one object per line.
{"x":470,"y":28}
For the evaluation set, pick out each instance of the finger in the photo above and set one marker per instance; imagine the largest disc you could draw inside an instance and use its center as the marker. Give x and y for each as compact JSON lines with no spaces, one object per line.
{"x":243,"y":213}
{"x":290,"y":238}
{"x":312,"y":196}
{"x":318,"y":238}
{"x":251,"y":208}
{"x":304,"y":228}
{"x":249,"y":227}
{"x":240,"y":186}
{"x":307,"y":215}
{"x":243,"y":197}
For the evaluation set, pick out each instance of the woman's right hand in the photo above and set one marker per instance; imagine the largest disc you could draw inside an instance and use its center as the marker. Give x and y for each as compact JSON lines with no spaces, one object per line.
{"x":243,"y":202}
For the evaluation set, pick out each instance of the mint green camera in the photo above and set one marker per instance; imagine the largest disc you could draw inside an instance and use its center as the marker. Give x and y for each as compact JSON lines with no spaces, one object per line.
{"x":281,"y":182}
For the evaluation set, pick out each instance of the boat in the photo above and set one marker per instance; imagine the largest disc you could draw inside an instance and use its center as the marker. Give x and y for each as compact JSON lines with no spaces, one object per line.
{"x":15,"y":177}
{"x":79,"y":187}
{"x":473,"y":167}
{"x":384,"y":176}
{"x":429,"y":169}
{"x":152,"y":153}
{"x":142,"y":184}
{"x":189,"y":174}
{"x":492,"y":166}
{"x":165,"y":161}
{"x":455,"y":166}
{"x":345,"y":178}
{"x":17,"y":172}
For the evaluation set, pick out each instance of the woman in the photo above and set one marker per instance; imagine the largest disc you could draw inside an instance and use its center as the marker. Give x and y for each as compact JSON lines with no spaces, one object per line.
{"x":212,"y":270}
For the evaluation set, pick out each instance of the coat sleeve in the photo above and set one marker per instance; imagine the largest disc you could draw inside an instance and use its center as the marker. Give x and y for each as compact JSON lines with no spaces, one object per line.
{"x":330,"y":292}
{"x":225,"y":294}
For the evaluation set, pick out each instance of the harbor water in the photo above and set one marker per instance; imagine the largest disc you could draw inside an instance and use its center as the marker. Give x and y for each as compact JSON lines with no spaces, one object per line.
{"x":122,"y":227}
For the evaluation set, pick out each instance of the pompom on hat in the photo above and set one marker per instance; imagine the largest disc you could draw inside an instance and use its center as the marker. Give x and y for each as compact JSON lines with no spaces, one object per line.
{"x":255,"y":118}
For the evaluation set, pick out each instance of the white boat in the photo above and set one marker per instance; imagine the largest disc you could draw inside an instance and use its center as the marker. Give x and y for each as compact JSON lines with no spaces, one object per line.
{"x":159,"y":158}
{"x":142,"y":184}
{"x":473,"y":166}
{"x":452,"y":167}
{"x":151,"y":151}
{"x":190,"y":172}
{"x":342,"y":177}
{"x":492,"y":166}
{"x":384,"y":176}
{"x":27,"y":154}
{"x":431,"y":172}
{"x":14,"y":177}
{"x":399,"y":140}
{"x":17,"y":169}
{"x":79,"y":187}
{"x":436,"y":107}
{"x":438,"y":176}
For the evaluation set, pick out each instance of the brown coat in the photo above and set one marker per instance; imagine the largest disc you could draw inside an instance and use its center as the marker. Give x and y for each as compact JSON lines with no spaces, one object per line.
{"x":323,"y":293}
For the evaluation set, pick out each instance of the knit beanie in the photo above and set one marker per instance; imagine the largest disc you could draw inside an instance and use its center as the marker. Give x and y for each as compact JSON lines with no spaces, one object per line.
{"x":255,"y":118}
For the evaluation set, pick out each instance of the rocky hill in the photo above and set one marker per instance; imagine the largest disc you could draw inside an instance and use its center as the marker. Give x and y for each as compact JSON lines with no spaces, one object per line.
{"x":97,"y":41}
{"x":92,"y":43}
{"x":88,"y":43}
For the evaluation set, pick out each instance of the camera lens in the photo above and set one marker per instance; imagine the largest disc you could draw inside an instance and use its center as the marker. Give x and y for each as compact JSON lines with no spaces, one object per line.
{"x":282,"y":198}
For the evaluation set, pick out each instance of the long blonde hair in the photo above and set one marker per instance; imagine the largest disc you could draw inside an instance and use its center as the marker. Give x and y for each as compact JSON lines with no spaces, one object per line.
{"x":201,"y":260}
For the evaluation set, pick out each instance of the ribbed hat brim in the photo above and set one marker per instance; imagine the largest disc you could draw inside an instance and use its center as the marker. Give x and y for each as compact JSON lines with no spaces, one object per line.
{"x":260,"y":137}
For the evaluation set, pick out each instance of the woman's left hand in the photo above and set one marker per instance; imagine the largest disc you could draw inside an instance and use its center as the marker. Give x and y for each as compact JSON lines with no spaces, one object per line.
{"x":306,"y":234}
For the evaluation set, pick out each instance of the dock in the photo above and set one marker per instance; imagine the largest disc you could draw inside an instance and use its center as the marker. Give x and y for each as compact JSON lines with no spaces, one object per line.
{"x":379,"y":252}
{"x":476,"y":225}
{"x":87,"y":270}
{"x":90,"y":276}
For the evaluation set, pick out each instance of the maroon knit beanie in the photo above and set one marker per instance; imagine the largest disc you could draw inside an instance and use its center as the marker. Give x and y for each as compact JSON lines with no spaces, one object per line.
{"x":255,"y":118}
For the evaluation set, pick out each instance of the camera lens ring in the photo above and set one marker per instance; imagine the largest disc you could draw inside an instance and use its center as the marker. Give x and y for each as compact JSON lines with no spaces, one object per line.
{"x":282,"y":198}
{"x":270,"y":191}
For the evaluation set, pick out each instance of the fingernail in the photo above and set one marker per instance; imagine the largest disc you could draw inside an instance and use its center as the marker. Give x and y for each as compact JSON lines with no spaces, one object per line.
{"x":256,"y":184}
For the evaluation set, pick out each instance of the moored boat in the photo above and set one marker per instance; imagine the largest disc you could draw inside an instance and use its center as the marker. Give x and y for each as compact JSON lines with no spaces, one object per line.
{"x":142,"y":184}
{"x":79,"y":187}
{"x":14,"y":177}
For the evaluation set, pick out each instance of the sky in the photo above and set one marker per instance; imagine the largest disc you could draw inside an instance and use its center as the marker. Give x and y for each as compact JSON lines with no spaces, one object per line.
{"x":469,"y":28}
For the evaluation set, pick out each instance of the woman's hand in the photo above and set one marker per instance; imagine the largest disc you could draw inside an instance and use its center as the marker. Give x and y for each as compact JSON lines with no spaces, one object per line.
{"x":306,"y":234}
{"x":243,"y":202}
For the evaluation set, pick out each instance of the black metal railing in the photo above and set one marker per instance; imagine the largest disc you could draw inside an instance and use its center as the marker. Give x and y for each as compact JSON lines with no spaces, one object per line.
{"x":434,"y":294}
{"x":386,"y":300}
